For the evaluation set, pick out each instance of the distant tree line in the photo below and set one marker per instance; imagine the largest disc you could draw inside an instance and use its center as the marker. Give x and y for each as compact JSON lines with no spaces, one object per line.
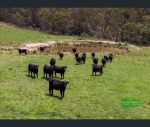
{"x":125,"y":24}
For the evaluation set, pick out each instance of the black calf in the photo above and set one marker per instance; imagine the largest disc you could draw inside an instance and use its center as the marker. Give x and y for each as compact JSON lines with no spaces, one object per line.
{"x":33,"y":68}
{"x":106,"y":57}
{"x":95,"y":61}
{"x":52,"y":62}
{"x":55,"y":84}
{"x":97,"y":68}
{"x":74,"y":50}
{"x":104,"y":62}
{"x":78,"y":60}
{"x":48,"y":70}
{"x":110,"y":57}
{"x":60,"y":69}
{"x":76,"y":55}
{"x":83,"y":58}
{"x":61,"y":55}
{"x":42,"y":49}
{"x":22,"y":51}
{"x":93,"y":54}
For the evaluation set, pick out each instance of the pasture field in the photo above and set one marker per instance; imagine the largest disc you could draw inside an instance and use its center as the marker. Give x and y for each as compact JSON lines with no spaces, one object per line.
{"x":16,"y":36}
{"x":86,"y":96}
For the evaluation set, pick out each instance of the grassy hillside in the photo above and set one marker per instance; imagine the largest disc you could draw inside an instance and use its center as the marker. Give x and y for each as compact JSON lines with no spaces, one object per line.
{"x":13,"y":35}
{"x":86,"y":97}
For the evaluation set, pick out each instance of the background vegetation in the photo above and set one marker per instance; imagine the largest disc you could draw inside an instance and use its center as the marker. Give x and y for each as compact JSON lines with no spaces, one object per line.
{"x":125,"y":24}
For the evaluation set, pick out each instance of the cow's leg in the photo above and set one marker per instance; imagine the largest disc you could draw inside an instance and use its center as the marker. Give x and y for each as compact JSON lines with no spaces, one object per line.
{"x":62,"y":75}
{"x":52,"y":92}
{"x":55,"y":74}
{"x":101,"y":71}
{"x":34,"y":75}
{"x":92,"y":73}
{"x":49,"y":91}
{"x":31,"y":73}
{"x":37,"y":75}
{"x":95,"y":73}
{"x":46,"y":75}
{"x":61,"y":94}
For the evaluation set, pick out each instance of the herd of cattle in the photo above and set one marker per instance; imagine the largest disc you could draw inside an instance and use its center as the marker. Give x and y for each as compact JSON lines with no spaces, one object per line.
{"x":53,"y":69}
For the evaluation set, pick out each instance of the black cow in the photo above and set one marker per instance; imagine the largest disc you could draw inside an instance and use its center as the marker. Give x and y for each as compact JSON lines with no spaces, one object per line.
{"x":60,"y":69}
{"x":74,"y":50}
{"x":110,"y":57}
{"x":83,"y":58}
{"x":103,"y":62}
{"x":22,"y":50}
{"x":93,"y":54}
{"x":76,"y":55}
{"x":97,"y":68}
{"x":48,"y":70}
{"x":33,"y":68}
{"x":95,"y":61}
{"x":42,"y":49}
{"x":78,"y":60}
{"x":111,"y":54}
{"x":52,"y":61}
{"x":55,"y":84}
{"x":106,"y":57}
{"x":61,"y":55}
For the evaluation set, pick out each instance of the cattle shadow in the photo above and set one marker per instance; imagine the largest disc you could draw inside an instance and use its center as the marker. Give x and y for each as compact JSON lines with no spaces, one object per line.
{"x":57,"y":97}
{"x":47,"y":79}
{"x":56,"y":77}
{"x":78,"y":63}
{"x":97,"y":75}
{"x":31,"y":76}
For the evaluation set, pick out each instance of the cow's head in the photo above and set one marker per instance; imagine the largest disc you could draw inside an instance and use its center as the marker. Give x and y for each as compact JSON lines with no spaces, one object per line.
{"x":66,"y":83}
{"x":65,"y":67}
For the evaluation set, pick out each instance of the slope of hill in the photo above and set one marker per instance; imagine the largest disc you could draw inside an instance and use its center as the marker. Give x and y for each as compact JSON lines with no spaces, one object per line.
{"x":12,"y":35}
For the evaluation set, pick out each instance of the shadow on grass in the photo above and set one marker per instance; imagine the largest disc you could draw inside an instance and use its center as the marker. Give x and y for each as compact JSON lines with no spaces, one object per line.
{"x":97,"y":75}
{"x":47,"y":78}
{"x":57,"y":97}
{"x":31,"y":76}
{"x":56,"y":77}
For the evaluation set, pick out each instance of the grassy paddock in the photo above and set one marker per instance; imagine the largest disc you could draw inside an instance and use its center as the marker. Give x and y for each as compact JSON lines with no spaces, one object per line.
{"x":86,"y":97}
{"x":17,"y":36}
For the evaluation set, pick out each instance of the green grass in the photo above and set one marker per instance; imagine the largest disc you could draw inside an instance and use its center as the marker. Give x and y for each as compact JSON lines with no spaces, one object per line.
{"x":16,"y":36}
{"x":86,"y":97}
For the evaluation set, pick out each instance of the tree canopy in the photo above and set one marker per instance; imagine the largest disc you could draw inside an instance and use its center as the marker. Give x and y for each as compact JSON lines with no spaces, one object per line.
{"x":117,"y":24}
